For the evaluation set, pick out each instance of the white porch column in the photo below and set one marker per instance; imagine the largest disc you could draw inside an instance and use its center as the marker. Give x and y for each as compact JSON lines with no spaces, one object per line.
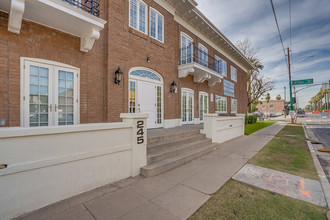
{"x":243,"y":118}
{"x":138,"y":140}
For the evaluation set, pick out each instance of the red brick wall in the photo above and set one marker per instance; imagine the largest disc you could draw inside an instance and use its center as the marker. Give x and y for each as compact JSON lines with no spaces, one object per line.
{"x":278,"y":106}
{"x":37,"y":41}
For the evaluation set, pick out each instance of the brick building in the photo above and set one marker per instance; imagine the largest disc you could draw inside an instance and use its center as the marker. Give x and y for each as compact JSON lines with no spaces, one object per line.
{"x":274,"y":107}
{"x":59,"y":57}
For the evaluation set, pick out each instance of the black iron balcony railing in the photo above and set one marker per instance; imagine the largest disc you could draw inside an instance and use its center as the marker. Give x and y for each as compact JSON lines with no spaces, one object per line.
{"x":191,"y":54}
{"x":90,"y":6}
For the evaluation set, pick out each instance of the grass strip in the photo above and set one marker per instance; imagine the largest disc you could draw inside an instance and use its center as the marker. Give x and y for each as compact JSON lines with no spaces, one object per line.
{"x":288,"y":152}
{"x":239,"y":201}
{"x":251,"y":128}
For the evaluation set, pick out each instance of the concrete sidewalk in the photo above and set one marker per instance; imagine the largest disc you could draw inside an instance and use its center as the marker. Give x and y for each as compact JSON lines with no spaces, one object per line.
{"x":176,"y":194}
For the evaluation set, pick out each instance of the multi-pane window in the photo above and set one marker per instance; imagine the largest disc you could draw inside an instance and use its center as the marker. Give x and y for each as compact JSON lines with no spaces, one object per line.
{"x":186,"y":49}
{"x":132,"y":93}
{"x":65,"y":97}
{"x":220,"y":104}
{"x":233,"y":74}
{"x":39,"y":79}
{"x":228,"y":88}
{"x":220,"y":66}
{"x":202,"y":55}
{"x":138,"y":15}
{"x":159,"y":104}
{"x":203,"y":105}
{"x":271,"y":105}
{"x":156,"y":25}
{"x":233,"y":106}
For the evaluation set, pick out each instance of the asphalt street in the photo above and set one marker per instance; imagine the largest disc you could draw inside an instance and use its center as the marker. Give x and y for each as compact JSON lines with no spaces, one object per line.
{"x":322,"y":132}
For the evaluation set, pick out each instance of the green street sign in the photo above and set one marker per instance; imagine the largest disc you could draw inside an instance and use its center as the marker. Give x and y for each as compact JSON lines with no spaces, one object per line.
{"x":302,"y":82}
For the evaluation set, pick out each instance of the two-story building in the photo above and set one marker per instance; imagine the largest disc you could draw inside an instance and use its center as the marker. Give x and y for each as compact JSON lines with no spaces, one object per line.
{"x":59,"y":60}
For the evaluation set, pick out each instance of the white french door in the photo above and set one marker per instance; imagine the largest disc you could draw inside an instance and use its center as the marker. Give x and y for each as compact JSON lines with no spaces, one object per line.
{"x":203,"y":105}
{"x":50,"y":95}
{"x":187,"y":106}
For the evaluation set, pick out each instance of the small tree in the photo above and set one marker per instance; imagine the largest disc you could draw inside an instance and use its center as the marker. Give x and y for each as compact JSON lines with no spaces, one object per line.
{"x":257,"y":85}
{"x":278,"y":97}
{"x":268,"y":97}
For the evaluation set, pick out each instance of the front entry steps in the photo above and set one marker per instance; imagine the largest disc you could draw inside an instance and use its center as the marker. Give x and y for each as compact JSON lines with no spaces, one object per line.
{"x":171,"y":150}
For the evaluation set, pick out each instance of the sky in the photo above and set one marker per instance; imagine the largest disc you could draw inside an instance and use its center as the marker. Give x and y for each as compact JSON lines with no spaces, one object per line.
{"x":310,"y":35}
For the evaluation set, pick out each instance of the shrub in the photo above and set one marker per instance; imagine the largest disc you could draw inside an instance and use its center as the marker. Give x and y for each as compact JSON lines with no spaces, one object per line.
{"x":250,"y":119}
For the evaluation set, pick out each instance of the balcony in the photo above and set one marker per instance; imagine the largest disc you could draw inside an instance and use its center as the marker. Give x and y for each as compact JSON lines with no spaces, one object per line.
{"x":200,"y":65}
{"x":76,"y":17}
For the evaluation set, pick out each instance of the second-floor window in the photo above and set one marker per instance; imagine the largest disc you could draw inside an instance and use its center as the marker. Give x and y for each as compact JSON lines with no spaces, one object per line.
{"x":138,"y":15}
{"x":202,"y":55}
{"x":220,"y":66}
{"x":156,"y":25}
{"x":233,"y":73}
{"x":186,"y":49}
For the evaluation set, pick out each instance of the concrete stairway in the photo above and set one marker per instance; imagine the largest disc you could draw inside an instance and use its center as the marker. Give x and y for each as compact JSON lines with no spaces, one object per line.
{"x":171,"y":150}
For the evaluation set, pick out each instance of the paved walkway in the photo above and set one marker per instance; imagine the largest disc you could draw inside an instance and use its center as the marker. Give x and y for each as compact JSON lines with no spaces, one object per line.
{"x":176,"y":194}
{"x":282,"y":183}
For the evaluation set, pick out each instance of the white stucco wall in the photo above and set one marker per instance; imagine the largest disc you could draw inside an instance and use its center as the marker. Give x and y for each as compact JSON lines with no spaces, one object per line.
{"x":221,"y":129}
{"x":49,"y":164}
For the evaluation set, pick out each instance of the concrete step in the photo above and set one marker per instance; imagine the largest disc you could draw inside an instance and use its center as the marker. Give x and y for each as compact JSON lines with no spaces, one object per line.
{"x":177,"y":148}
{"x":167,"y":164}
{"x":161,"y":145}
{"x":172,"y":136}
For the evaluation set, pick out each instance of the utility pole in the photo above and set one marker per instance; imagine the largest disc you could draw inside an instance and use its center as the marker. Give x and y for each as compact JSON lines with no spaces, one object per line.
{"x":284,"y":102}
{"x":290,"y":84}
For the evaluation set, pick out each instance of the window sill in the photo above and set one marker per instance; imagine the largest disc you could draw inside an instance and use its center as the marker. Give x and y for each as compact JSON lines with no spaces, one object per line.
{"x":137,"y":33}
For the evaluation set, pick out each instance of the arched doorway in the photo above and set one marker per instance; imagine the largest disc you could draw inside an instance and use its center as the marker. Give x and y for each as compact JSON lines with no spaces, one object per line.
{"x":146,"y":95}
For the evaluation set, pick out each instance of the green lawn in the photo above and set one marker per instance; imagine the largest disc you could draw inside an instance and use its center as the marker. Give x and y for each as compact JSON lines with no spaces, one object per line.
{"x":288,"y":152}
{"x":251,"y":128}
{"x":239,"y":201}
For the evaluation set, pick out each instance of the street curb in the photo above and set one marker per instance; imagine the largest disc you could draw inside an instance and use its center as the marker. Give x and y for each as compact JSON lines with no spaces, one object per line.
{"x":323,"y":179}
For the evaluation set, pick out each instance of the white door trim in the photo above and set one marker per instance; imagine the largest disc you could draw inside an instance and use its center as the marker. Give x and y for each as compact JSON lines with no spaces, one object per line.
{"x":159,"y":82}
{"x":193,"y":106}
{"x":204,"y":94}
{"x":24,"y":86}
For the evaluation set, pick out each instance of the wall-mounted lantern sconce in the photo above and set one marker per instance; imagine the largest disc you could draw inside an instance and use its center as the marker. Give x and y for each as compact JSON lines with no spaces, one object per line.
{"x":174,"y":87}
{"x":118,"y":75}
{"x":148,"y":59}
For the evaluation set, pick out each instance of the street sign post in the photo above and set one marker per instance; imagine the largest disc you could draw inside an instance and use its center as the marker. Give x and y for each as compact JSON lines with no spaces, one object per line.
{"x":302,"y":82}
{"x":292,"y":113}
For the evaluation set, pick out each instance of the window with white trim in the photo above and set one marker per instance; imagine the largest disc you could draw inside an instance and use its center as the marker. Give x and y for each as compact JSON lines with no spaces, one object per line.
{"x":138,"y":15}
{"x":220,"y":104}
{"x":233,"y":105}
{"x":187,"y":52}
{"x":50,"y":95}
{"x":220,"y":65}
{"x":202,"y":55}
{"x":156,"y":25}
{"x":233,"y":73}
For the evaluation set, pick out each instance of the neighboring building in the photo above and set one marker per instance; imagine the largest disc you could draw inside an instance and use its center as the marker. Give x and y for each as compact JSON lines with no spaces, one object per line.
{"x":58,"y":61}
{"x":273,"y":107}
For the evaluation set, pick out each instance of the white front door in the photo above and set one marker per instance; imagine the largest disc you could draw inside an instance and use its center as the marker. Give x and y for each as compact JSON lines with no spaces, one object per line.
{"x":203,"y":105}
{"x":147,"y":101}
{"x":187,"y":106}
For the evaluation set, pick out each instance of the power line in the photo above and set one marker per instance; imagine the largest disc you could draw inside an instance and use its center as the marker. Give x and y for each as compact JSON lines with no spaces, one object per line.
{"x":279,"y":32}
{"x":290,"y":23}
